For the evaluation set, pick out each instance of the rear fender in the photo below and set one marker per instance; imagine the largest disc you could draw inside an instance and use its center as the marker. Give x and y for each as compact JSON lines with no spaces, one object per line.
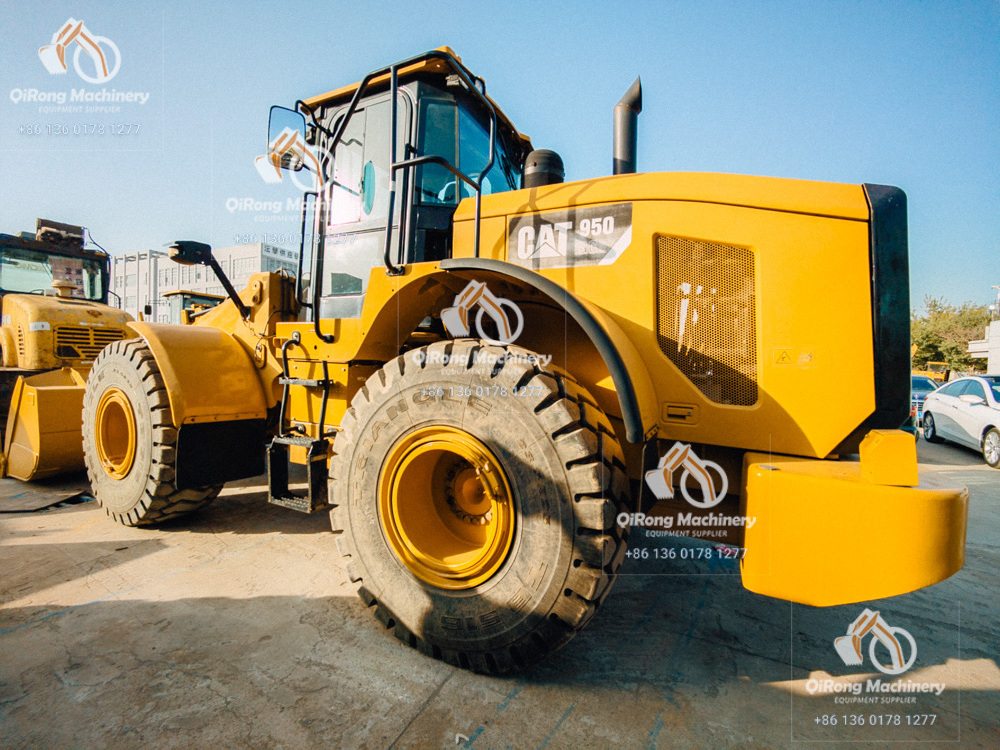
{"x":591,"y":345}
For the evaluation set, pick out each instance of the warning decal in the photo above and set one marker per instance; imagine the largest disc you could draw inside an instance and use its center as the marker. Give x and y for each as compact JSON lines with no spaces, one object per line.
{"x":585,"y":236}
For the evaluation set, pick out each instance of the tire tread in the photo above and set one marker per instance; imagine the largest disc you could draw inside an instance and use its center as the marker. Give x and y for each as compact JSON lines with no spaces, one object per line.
{"x":160,"y":500}
{"x":585,"y":439}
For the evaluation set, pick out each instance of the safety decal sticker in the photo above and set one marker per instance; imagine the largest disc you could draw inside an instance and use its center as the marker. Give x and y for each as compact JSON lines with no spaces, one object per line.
{"x":584,"y":236}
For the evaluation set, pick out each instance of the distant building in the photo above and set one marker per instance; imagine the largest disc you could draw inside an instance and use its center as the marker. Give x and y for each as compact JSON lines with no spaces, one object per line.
{"x":133,"y":279}
{"x":988,"y":348}
{"x":141,"y":279}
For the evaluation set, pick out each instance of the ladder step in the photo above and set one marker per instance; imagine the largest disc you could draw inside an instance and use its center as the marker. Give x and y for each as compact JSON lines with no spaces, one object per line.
{"x":295,"y":502}
{"x":316,"y":497}
{"x":302,"y":441}
{"x":306,"y":382}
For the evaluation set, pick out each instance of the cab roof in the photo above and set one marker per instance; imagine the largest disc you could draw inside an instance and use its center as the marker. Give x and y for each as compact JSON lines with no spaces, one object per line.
{"x":429,"y":65}
{"x":71,"y":251}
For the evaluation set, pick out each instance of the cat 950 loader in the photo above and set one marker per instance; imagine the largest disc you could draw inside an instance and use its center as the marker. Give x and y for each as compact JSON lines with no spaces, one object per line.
{"x":484,"y":364}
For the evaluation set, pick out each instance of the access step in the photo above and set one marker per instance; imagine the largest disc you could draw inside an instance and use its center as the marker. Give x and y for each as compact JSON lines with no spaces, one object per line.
{"x":278,"y":493}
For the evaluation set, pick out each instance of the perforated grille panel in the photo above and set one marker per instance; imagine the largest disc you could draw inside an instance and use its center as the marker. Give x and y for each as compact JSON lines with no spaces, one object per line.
{"x":77,"y":342}
{"x":706,"y":314}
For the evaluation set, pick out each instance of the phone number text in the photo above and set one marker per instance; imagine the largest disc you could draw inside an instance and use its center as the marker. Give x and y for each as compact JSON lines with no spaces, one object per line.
{"x":876,"y":720}
{"x":481,"y":391}
{"x":80,"y":128}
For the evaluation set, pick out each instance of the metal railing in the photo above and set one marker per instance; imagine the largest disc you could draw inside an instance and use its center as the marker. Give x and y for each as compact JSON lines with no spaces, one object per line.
{"x":335,"y":136}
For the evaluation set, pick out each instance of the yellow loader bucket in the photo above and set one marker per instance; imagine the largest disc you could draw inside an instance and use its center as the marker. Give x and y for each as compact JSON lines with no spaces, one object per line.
{"x":44,"y":435}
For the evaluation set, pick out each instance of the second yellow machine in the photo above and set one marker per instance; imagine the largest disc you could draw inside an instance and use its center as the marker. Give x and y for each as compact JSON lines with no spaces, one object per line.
{"x":491,"y":373}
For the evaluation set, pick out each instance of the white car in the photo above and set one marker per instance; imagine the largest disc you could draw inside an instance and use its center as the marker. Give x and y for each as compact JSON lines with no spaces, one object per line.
{"x":966,"y":411}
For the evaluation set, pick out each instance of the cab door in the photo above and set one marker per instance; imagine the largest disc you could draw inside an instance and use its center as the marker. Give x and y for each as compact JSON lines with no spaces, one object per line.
{"x":359,"y":205}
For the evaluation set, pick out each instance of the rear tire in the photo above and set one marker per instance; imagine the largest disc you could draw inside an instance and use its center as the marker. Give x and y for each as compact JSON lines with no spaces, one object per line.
{"x":129,"y":439}
{"x":555,"y":451}
{"x":930,"y":429}
{"x":991,"y":448}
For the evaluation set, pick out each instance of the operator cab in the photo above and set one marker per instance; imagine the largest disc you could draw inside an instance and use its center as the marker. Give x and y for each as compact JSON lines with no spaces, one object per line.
{"x":443,"y":124}
{"x":52,"y":261}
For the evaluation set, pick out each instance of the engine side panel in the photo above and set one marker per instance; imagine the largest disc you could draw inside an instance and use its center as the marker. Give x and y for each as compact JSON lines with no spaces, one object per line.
{"x":755,"y":322}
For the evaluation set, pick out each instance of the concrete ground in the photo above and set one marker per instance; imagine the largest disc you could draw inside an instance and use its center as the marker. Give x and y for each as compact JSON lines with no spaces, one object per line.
{"x":238,"y":628}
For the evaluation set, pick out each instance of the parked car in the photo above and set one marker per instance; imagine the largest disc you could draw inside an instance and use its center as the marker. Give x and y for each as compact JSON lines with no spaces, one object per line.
{"x":920,"y":386}
{"x":966,"y":411}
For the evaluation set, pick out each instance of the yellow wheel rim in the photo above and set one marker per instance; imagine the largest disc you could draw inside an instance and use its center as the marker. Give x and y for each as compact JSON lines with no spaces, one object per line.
{"x":115,"y":433}
{"x":446,"y":508}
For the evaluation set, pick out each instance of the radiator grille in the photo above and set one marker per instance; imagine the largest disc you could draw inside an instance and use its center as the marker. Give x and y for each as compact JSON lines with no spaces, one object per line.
{"x":706,"y":313}
{"x":79,"y":342}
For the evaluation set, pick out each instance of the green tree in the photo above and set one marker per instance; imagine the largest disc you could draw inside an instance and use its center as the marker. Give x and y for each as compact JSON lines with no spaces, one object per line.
{"x":943,"y":333}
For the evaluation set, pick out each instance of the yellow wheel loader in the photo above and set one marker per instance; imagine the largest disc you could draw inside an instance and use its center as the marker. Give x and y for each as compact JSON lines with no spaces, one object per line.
{"x":936,"y":371}
{"x":55,"y":322}
{"x":491,"y":374}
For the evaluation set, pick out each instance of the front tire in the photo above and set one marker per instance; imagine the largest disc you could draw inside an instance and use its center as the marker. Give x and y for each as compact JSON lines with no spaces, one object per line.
{"x":930,"y":429}
{"x":478,"y":493}
{"x":991,"y":448}
{"x":129,"y":439}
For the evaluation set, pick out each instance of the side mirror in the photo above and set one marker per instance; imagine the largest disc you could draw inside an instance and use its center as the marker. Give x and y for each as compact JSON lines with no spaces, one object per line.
{"x":970,"y":398}
{"x":190,"y":253}
{"x":281,"y":121}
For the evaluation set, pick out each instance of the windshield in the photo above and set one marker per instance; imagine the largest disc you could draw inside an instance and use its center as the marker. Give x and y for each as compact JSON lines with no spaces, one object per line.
{"x":919,"y":383}
{"x":937,"y":366}
{"x":31,"y":271}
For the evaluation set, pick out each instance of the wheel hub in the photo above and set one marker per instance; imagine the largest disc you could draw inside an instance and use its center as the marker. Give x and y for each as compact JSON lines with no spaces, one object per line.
{"x":445,"y":507}
{"x":467,"y":494}
{"x":114,"y":433}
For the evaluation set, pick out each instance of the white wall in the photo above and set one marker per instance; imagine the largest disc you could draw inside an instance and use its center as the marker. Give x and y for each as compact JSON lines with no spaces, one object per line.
{"x":141,"y":278}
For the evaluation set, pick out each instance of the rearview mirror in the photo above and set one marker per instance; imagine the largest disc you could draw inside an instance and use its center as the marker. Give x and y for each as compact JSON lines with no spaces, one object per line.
{"x":970,"y":398}
{"x":190,"y":253}
{"x":284,"y":121}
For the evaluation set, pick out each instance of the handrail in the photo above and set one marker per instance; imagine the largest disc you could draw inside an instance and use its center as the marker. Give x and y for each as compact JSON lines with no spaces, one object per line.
{"x":319,"y":213}
{"x":302,"y":245}
{"x":477,"y":185}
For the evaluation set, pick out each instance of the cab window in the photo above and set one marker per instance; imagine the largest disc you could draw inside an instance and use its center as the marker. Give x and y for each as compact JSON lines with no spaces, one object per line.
{"x":450,"y":131}
{"x":24,"y":270}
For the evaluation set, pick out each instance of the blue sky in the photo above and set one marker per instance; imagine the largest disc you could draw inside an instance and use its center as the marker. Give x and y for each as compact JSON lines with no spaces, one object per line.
{"x":903,"y":93}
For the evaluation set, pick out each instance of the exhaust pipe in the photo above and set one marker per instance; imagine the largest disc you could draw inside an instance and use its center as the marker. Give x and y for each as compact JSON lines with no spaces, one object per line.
{"x":626,"y":119}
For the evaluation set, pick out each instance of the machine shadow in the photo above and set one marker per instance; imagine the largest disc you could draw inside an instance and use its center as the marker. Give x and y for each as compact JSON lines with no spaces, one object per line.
{"x":242,"y":508}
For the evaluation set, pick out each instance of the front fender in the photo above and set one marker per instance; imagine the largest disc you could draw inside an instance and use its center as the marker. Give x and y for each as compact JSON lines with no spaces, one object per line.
{"x":209,"y":376}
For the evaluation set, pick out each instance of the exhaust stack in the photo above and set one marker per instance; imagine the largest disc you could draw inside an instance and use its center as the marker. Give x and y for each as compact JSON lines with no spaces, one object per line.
{"x":626,"y":119}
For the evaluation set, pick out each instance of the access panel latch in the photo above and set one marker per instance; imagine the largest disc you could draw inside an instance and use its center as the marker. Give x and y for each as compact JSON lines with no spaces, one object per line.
{"x":278,"y":493}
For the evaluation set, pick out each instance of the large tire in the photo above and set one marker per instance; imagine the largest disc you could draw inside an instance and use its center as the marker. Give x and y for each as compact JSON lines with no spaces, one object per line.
{"x":929,"y":428}
{"x":565,"y":472}
{"x":129,"y":439}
